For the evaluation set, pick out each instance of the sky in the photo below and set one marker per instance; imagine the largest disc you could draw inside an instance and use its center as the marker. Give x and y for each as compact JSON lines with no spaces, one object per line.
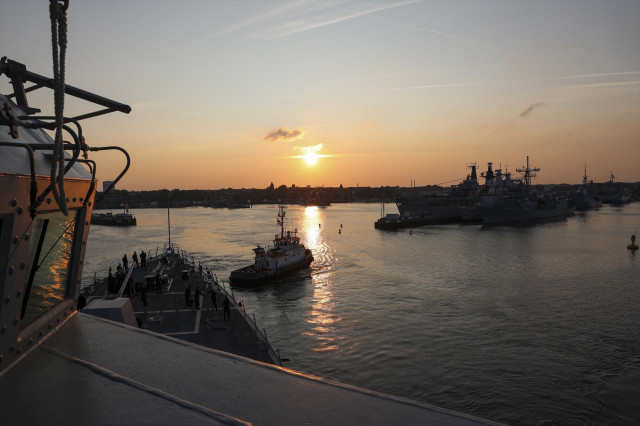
{"x":357,"y":93}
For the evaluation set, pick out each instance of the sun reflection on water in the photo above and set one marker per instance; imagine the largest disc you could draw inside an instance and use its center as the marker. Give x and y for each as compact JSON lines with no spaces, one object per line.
{"x":322,"y":319}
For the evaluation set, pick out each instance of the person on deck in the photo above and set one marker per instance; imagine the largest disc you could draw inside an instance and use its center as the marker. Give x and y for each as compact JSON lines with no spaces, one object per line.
{"x":143,"y":259}
{"x":198,"y":293}
{"x":226,"y":309}
{"x":135,"y":259}
{"x":214,"y":303}
{"x":125,"y":262}
{"x":187,"y":295}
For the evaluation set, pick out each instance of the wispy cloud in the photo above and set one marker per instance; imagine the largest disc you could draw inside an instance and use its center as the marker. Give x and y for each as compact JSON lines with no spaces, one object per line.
{"x":430,"y":86}
{"x":331,"y":15}
{"x":453,"y":36}
{"x":300,"y":16}
{"x":284,"y":134}
{"x":605,"y":84}
{"x":540,"y":79}
{"x":256,"y":20}
{"x":530,"y":108}
{"x":139,"y":106}
{"x":608,"y":74}
{"x":290,"y":97}
{"x":306,"y":150}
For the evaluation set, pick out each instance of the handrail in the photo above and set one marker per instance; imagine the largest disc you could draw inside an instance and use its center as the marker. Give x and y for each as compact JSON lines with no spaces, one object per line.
{"x":126,"y":154}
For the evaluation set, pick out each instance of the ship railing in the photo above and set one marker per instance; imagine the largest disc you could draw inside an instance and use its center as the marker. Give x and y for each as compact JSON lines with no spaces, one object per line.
{"x":251,"y":320}
{"x":208,"y":276}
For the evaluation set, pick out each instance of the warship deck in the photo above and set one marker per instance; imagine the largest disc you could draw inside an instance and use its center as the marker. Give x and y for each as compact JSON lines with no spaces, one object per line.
{"x":166,"y":310}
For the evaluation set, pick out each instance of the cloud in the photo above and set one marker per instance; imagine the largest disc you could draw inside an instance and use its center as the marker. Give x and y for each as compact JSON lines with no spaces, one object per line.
{"x":598,"y":85}
{"x":284,"y":134}
{"x":306,"y":150}
{"x":431,"y":86}
{"x":321,"y":15}
{"x":453,"y":36}
{"x":530,"y":108}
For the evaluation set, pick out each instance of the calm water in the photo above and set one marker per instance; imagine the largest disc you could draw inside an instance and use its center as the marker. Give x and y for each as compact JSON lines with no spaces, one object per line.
{"x":535,"y":325}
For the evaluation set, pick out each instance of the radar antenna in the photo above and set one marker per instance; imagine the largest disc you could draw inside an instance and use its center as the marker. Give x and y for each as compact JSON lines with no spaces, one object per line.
{"x":528,"y":173}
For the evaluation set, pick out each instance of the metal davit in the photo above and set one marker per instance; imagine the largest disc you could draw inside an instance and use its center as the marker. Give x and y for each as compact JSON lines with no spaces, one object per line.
{"x":47,"y":194}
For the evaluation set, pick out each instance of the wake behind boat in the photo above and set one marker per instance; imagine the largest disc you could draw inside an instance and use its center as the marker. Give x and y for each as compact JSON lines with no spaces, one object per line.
{"x":286,"y":255}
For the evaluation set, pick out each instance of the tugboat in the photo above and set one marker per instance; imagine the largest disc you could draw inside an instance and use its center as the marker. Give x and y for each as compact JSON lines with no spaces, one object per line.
{"x":286,"y":255}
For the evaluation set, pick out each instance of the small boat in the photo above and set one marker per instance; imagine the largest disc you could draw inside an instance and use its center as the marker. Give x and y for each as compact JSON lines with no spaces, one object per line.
{"x":110,"y":219}
{"x":286,"y":255}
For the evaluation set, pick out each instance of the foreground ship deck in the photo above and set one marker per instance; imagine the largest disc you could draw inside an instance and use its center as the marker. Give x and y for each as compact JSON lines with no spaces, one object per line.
{"x":95,"y":371}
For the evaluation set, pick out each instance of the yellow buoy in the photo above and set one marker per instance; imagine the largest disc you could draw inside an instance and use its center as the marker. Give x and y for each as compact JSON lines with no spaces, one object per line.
{"x":633,"y":245}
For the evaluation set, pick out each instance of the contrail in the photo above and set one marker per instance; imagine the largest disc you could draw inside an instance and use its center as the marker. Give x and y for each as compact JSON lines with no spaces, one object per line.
{"x":305,"y":25}
{"x":442,"y":33}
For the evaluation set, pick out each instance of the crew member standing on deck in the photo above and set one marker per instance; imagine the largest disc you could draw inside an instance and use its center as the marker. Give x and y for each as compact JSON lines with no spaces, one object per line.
{"x":125,"y":262}
{"x":187,"y":295}
{"x":143,"y":259}
{"x":135,"y":259}
{"x":214,"y":302}
{"x":226,"y":310}
{"x":197,"y":297}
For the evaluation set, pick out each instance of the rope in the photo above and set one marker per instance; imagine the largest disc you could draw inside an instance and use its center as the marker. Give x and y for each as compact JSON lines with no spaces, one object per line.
{"x":58,"y":14}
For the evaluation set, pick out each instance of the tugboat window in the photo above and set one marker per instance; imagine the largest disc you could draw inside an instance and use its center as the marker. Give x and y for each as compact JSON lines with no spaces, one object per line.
{"x":50,"y":248}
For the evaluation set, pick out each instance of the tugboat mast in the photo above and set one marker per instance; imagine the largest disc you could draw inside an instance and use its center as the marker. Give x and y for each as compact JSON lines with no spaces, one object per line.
{"x":281,"y":215}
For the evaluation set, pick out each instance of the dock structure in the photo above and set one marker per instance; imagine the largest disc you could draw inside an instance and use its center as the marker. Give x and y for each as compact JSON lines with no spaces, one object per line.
{"x":158,"y":297}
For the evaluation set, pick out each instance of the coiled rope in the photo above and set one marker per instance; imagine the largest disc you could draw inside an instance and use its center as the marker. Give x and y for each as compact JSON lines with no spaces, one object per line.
{"x":58,"y":14}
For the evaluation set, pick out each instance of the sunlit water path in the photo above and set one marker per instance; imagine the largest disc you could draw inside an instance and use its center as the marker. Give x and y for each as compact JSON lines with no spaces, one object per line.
{"x":534,"y":325}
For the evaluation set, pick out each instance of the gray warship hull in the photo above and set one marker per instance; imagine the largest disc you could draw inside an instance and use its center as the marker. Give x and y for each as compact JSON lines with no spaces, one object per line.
{"x":516,"y":214}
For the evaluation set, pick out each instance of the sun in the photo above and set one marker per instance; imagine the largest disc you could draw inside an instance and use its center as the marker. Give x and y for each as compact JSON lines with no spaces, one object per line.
{"x":311,"y":158}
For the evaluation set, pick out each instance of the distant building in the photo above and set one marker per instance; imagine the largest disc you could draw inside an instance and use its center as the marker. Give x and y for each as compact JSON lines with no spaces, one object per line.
{"x":105,"y":185}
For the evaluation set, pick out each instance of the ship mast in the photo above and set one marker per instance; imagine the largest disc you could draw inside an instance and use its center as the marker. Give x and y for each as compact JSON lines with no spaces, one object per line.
{"x":281,"y":215}
{"x":528,"y":174}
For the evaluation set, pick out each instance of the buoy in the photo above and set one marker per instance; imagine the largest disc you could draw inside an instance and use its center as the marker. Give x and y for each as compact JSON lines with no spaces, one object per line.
{"x":633,"y":245}
{"x":339,"y":231}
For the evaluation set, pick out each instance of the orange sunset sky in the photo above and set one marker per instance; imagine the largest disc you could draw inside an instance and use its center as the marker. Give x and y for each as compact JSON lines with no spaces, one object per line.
{"x":370,"y":93}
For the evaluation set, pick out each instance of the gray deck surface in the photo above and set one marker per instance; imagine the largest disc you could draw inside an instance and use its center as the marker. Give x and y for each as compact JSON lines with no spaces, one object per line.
{"x":167,"y":312}
{"x":95,"y":371}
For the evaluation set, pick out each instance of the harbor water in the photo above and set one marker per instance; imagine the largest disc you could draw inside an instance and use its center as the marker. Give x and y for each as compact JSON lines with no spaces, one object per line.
{"x":527,"y":325}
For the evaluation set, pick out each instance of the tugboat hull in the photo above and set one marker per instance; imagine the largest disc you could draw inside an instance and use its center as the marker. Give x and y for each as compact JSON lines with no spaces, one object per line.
{"x":249,"y":274}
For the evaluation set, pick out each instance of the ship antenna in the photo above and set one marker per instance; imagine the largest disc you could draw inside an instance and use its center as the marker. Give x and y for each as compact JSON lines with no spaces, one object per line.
{"x":169,"y":217}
